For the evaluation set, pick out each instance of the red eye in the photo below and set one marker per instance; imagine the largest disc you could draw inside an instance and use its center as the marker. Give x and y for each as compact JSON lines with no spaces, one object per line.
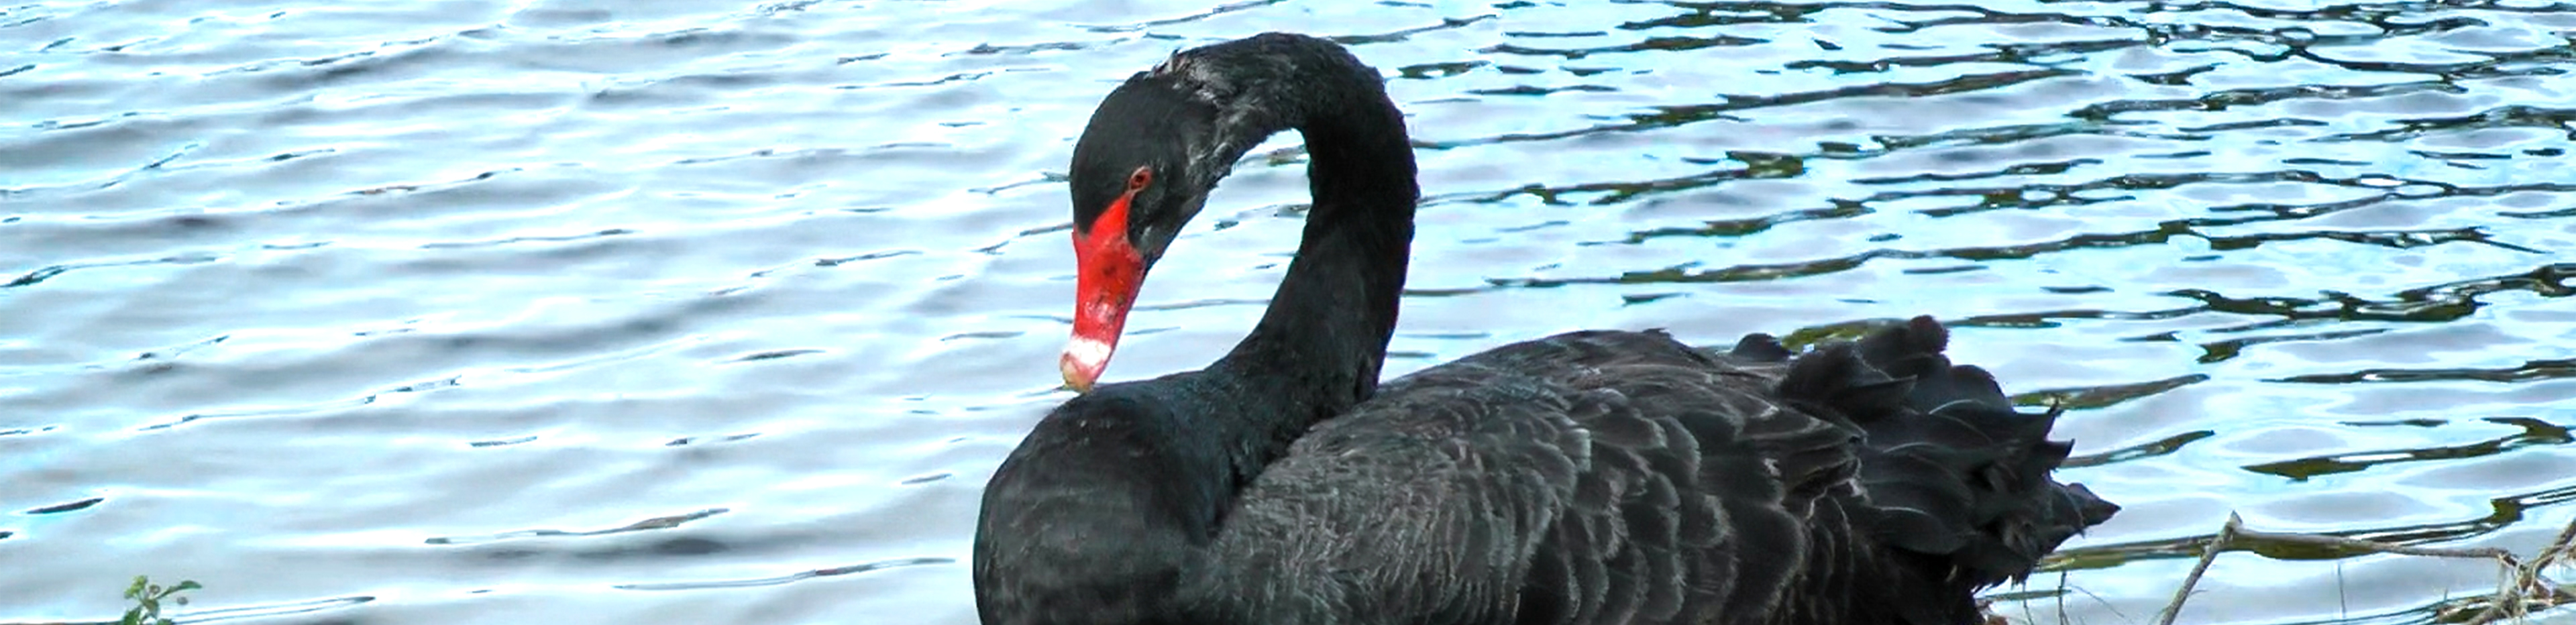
{"x":1143,"y":176}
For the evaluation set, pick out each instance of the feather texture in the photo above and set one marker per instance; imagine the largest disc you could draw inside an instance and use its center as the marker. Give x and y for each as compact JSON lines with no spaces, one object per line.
{"x":1589,"y":478}
{"x":1606,"y":477}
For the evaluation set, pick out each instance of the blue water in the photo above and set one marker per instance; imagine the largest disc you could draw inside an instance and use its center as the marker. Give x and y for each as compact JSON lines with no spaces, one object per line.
{"x":647,"y":311}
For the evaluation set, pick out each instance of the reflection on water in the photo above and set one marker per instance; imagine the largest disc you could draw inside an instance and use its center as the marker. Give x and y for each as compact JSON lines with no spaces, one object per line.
{"x":658,"y":311}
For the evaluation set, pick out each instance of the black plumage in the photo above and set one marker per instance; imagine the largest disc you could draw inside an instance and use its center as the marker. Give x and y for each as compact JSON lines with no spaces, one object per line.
{"x":1593,"y":477}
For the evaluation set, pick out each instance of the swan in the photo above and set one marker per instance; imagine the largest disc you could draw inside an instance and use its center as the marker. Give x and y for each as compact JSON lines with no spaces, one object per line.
{"x":1593,"y":477}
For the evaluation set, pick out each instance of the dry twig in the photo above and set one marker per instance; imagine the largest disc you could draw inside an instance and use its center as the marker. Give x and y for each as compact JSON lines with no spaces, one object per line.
{"x":2516,"y":600}
{"x":2524,"y":588}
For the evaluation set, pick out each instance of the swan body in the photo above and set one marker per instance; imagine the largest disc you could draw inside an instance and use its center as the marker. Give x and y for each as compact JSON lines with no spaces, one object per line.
{"x":1588,"y":478}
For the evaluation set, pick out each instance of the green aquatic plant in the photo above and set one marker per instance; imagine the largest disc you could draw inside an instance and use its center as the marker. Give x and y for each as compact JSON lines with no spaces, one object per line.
{"x":147,"y":597}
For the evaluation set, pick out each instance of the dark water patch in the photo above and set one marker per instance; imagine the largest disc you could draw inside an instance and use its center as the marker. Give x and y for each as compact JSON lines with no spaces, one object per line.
{"x":60,"y":508}
{"x":774,"y":355}
{"x":290,"y":608}
{"x":315,"y":408}
{"x":655,"y":523}
{"x":699,"y":441}
{"x":2159,"y":236}
{"x":2105,"y":396}
{"x":790,"y":578}
{"x":2222,"y":350}
{"x":1672,"y":116}
{"x":2150,"y":449}
{"x":1221,"y":9}
{"x":2534,"y":432}
{"x":39,"y":276}
{"x":2527,"y":371}
{"x":2436,"y":303}
{"x":1402,"y":34}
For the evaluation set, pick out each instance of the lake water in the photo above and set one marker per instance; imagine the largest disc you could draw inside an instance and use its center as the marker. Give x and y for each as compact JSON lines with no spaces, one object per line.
{"x":650,"y":311}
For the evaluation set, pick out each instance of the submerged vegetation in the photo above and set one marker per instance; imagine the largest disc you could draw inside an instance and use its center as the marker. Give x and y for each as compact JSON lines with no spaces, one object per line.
{"x":147,"y":598}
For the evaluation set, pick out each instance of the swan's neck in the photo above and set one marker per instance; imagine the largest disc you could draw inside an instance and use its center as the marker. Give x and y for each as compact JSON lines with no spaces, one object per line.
{"x":1327,"y":327}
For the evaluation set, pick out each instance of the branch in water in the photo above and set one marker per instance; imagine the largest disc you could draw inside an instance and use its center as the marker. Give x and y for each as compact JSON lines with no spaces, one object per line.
{"x":2523,"y":587}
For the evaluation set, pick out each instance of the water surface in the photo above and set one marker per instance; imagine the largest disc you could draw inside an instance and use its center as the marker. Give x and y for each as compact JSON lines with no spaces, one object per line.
{"x":648,"y":311}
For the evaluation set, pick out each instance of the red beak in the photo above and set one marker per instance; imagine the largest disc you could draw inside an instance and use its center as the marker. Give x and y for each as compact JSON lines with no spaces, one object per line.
{"x":1105,"y":289}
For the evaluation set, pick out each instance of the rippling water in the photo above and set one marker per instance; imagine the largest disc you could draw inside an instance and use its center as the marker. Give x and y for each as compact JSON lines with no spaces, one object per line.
{"x":626,"y":311}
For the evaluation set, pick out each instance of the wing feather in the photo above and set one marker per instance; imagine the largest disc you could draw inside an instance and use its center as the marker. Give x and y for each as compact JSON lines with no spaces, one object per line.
{"x":1600,"y":477}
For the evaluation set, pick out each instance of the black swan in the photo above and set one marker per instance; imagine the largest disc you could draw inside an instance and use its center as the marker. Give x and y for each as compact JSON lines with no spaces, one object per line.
{"x":1594,"y":477}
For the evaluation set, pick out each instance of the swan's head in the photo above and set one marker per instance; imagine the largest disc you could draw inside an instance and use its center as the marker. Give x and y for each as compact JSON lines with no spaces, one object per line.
{"x":1143,"y":168}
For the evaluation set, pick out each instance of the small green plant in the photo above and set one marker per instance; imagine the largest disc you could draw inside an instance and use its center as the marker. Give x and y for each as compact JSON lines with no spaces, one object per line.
{"x":147,"y":597}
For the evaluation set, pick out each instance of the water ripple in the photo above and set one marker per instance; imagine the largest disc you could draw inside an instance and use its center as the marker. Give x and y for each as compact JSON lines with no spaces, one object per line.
{"x":480,"y":311}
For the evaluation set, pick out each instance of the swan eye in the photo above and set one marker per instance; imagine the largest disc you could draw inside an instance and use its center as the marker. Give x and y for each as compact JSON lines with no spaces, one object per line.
{"x":1143,"y":176}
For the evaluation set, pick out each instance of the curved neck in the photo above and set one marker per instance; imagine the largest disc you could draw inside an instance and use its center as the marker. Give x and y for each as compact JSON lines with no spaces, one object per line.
{"x":1327,"y":326}
{"x":1099,"y":515}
